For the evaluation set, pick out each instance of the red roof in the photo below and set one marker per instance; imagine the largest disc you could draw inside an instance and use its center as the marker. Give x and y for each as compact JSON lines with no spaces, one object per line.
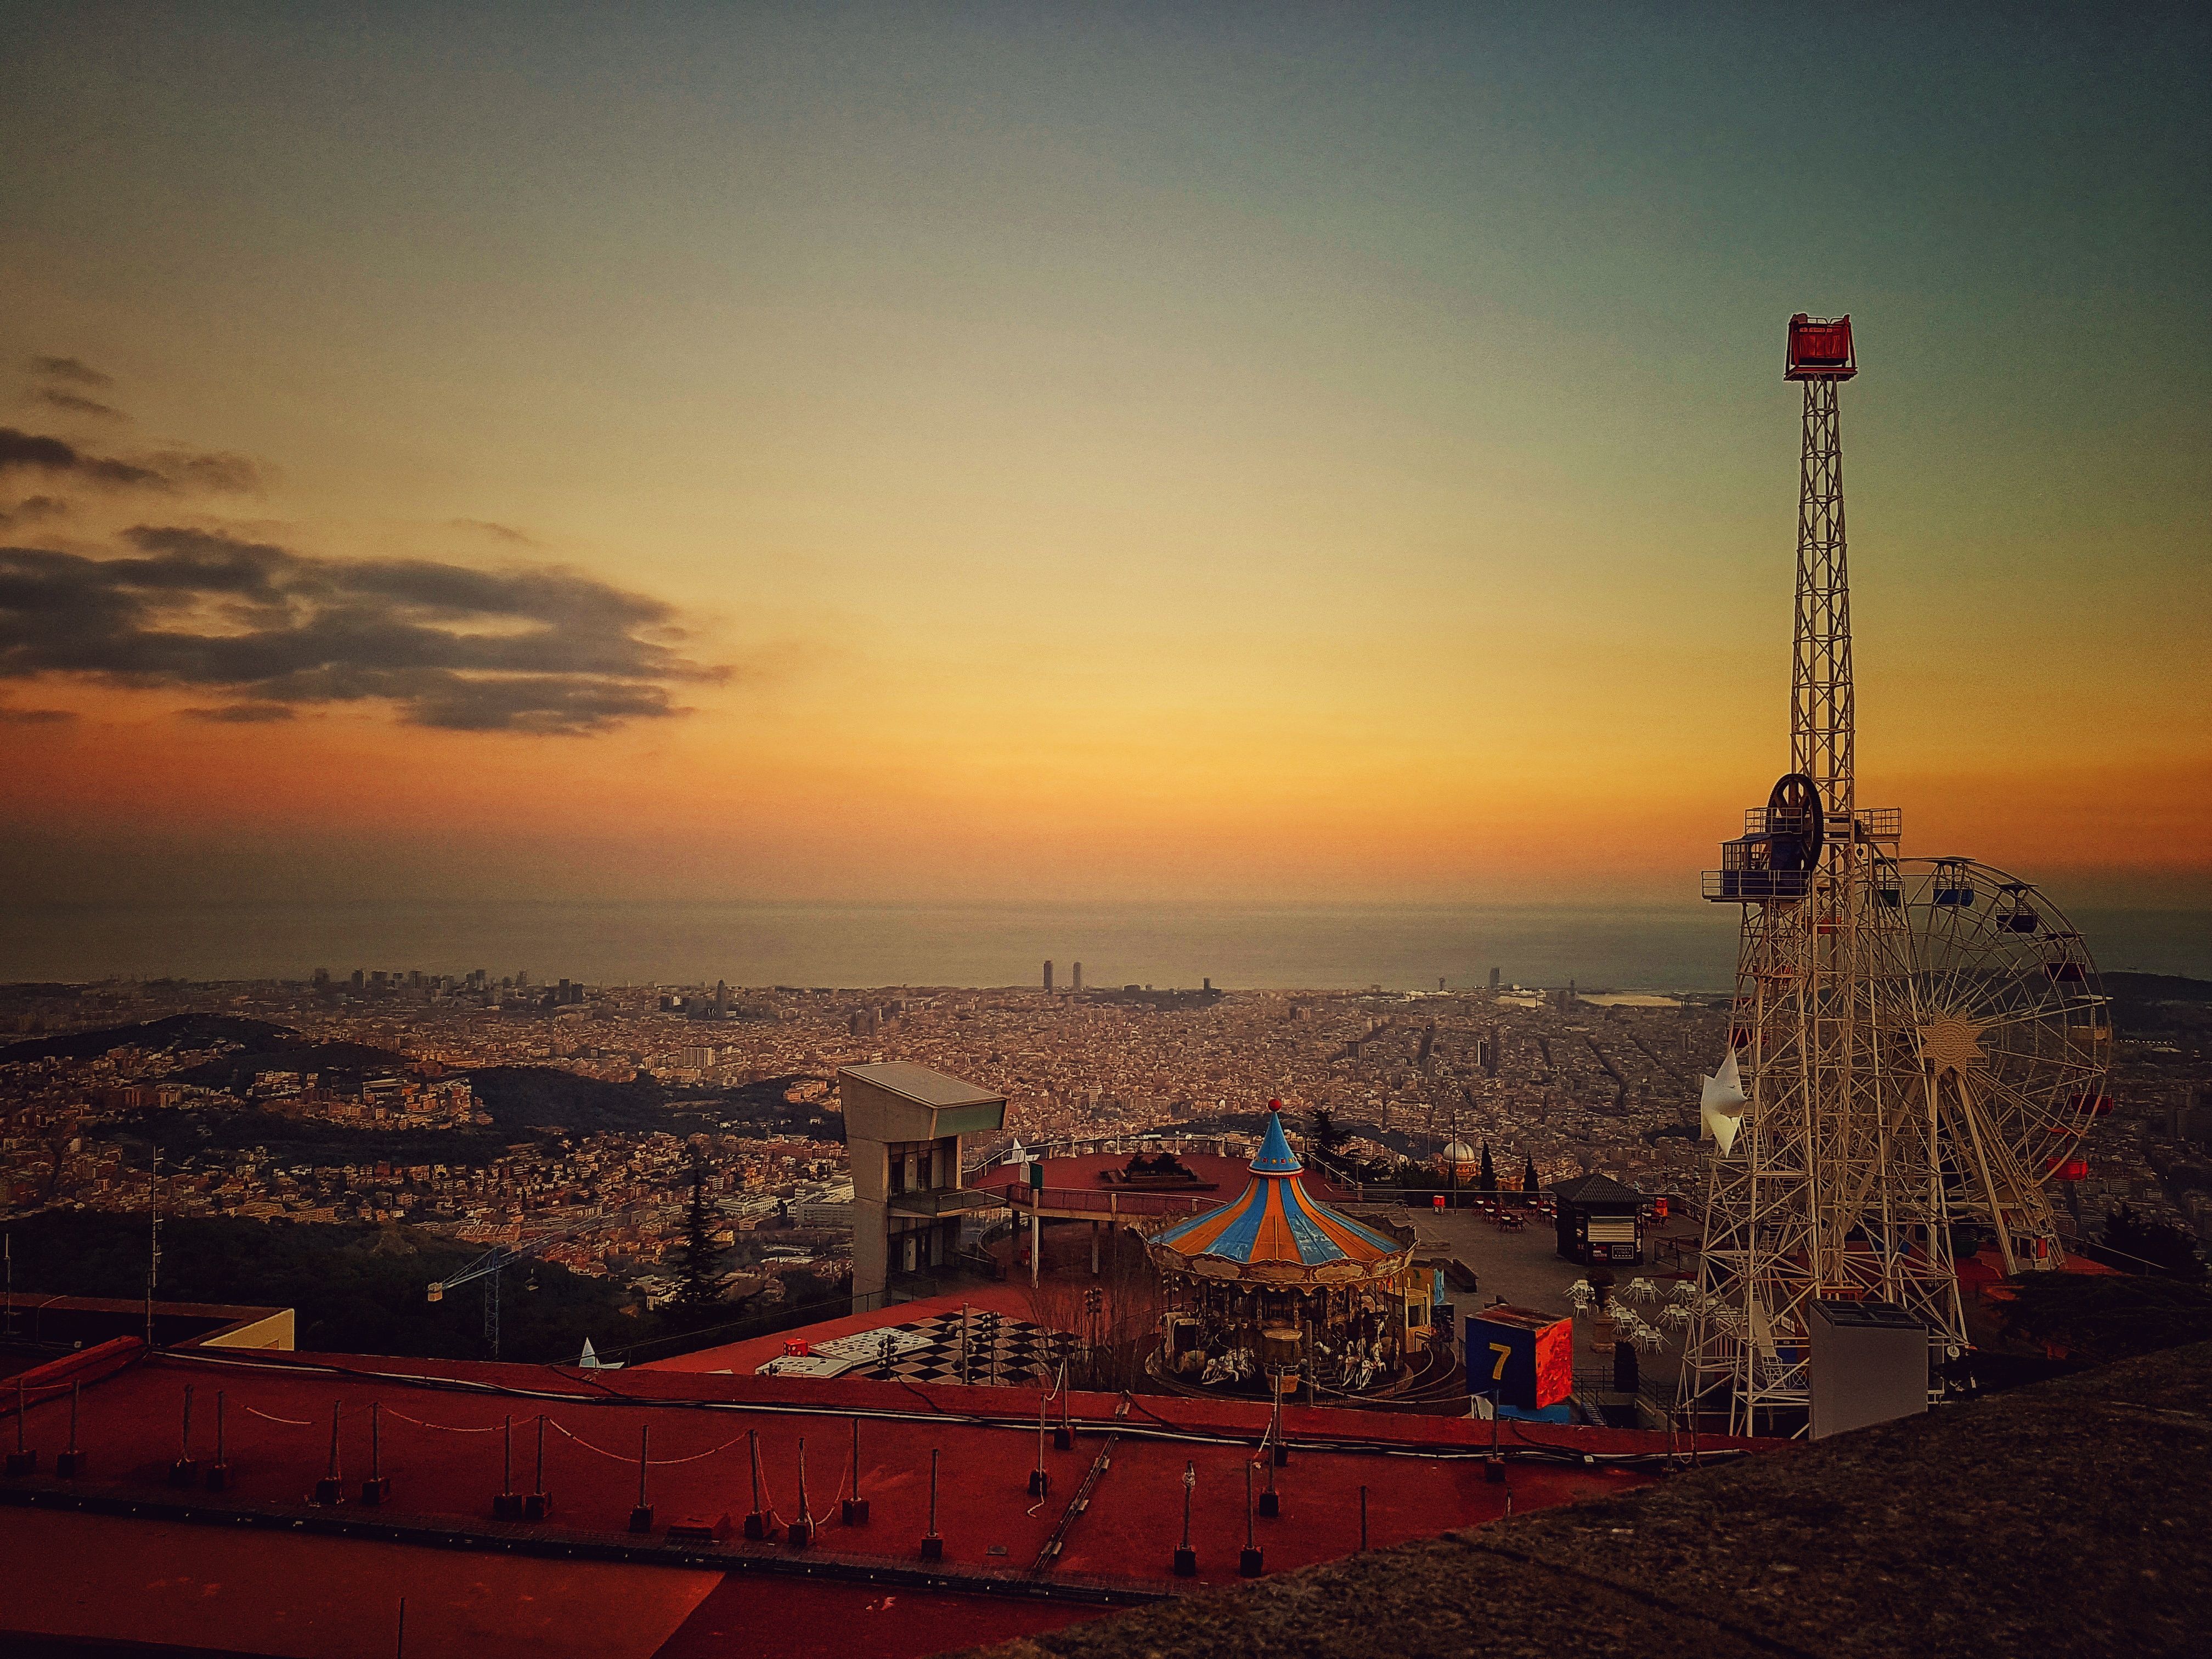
{"x":310,"y":1573}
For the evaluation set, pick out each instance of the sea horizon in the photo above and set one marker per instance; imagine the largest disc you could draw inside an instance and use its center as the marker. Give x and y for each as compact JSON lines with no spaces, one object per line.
{"x":1244,"y":946}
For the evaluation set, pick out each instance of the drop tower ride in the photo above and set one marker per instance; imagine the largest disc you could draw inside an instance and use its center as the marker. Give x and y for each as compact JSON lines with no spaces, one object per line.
{"x":1827,"y":1178}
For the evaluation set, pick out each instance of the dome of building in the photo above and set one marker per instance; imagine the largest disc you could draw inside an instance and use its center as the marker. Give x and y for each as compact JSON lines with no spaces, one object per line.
{"x":1459,"y":1152}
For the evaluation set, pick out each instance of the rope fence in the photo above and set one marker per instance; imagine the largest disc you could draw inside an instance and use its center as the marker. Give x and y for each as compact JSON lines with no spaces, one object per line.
{"x":624,"y":1457}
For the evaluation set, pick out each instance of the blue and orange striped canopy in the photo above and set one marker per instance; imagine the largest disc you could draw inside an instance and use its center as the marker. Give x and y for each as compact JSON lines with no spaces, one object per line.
{"x":1273,"y":1222}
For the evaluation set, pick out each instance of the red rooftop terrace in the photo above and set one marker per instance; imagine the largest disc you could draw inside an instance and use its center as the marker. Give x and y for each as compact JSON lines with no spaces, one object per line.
{"x":285,"y":1504}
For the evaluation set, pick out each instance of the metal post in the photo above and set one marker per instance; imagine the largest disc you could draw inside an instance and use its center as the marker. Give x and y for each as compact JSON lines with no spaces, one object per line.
{"x":932,"y":1547}
{"x":184,"y":1472}
{"x":218,"y":1474}
{"x":640,"y":1518}
{"x":1248,"y":1564}
{"x":507,"y":1507}
{"x":757,"y":1522}
{"x":1040,"y":1482}
{"x":856,"y":1507}
{"x":376,"y":1488}
{"x":801,"y":1533}
{"x":1186,"y":1558}
{"x":1271,"y":1503}
{"x":329,"y":1489}
{"x":539,"y":1503}
{"x":1363,"y":1520}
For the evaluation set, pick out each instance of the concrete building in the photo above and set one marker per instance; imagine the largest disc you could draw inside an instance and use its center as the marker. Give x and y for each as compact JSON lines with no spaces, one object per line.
{"x":904,"y":1127}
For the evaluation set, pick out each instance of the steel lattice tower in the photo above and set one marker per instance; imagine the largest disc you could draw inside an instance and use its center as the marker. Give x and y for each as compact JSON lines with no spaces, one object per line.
{"x":1833,"y":1185}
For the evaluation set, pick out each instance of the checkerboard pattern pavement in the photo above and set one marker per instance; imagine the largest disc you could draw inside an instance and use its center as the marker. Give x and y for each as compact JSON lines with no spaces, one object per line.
{"x":999,"y":1350}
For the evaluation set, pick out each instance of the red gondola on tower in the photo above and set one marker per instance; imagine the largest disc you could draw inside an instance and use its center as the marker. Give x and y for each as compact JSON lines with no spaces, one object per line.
{"x":1819,"y":348}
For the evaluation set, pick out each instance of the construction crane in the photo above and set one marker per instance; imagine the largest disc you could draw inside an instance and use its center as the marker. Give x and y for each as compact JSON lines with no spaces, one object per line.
{"x":493,"y":1262}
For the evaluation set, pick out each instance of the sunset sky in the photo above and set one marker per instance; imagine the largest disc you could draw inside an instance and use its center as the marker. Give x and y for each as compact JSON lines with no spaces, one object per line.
{"x":1040,"y":452}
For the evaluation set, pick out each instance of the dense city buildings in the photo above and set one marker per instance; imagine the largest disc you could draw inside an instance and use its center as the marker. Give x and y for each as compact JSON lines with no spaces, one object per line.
{"x":494,"y":1110}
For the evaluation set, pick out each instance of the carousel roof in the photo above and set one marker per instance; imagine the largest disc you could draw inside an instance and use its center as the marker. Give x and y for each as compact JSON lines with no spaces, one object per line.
{"x":1273,"y":1222}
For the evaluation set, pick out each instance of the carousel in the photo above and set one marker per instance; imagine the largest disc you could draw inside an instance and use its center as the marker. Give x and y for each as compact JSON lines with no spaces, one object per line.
{"x":1275,"y":1291}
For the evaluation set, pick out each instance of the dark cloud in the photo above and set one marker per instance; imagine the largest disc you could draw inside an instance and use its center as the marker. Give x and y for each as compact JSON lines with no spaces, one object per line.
{"x":70,"y":403}
{"x":74,"y":370}
{"x":28,"y":452}
{"x":33,"y":509}
{"x":502,"y":532}
{"x":242,"y":713}
{"x":539,"y":649}
{"x":171,"y":470}
{"x":10,"y":716}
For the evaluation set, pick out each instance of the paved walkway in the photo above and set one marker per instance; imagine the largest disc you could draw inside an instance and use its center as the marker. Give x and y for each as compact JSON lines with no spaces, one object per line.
{"x":1526,"y":1269}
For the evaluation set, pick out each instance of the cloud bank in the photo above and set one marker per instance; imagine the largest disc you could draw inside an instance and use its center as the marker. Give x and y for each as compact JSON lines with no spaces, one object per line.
{"x":540,"y":649}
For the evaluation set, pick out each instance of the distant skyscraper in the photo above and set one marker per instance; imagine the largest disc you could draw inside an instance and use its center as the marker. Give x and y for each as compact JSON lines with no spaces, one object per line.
{"x":1077,"y":984}
{"x":1493,"y":979}
{"x":1048,"y":973}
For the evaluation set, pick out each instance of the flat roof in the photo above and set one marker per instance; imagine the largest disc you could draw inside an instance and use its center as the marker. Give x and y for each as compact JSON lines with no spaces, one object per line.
{"x":1103,"y":1535}
{"x":920,"y":1084}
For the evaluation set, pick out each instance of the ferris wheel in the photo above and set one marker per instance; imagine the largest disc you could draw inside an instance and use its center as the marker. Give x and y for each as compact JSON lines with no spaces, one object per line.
{"x":2013,"y":1042}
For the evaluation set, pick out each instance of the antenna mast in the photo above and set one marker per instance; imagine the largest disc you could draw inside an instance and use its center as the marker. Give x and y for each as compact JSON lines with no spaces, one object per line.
{"x":152,"y":1241}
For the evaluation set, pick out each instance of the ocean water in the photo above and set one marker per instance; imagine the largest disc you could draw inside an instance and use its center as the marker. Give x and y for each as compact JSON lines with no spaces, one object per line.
{"x":1677,"y":947}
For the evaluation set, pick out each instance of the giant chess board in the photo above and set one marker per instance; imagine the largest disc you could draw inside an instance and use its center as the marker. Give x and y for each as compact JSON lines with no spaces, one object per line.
{"x":995,"y":1351}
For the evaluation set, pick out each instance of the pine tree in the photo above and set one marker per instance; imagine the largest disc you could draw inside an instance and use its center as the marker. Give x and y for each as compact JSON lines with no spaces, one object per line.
{"x":1488,"y":1178}
{"x":1329,"y":1137}
{"x":1529,"y":1173}
{"x":699,"y":1285}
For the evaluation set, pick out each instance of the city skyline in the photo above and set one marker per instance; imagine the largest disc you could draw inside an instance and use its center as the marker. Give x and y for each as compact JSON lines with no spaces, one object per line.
{"x":1117,"y":459}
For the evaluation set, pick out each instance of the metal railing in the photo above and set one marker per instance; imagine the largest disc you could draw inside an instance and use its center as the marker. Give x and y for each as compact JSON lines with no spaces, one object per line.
{"x":1754,"y":886}
{"x":1109,"y":1202}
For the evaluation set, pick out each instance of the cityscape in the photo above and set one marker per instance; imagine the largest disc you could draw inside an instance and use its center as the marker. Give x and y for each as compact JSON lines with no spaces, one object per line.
{"x":1053,"y":832}
{"x":1568,"y":1081}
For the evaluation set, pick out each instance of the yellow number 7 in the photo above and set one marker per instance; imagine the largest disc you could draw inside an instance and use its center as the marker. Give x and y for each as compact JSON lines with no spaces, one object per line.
{"x":1504,"y":1353}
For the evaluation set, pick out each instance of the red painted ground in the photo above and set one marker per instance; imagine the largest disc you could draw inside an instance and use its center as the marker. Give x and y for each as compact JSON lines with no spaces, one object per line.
{"x":86,"y":1578}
